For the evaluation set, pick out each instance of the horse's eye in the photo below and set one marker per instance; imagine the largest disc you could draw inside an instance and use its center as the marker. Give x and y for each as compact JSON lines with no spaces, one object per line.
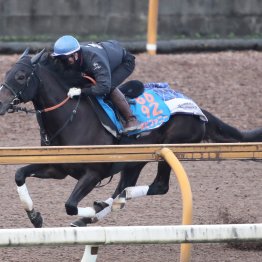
{"x":20,"y":77}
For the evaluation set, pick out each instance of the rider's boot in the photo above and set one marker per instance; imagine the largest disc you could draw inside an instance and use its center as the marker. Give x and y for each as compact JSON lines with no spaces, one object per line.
{"x":119,"y":100}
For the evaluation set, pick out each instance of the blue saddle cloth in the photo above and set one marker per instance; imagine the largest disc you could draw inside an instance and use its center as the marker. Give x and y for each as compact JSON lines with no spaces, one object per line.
{"x":149,"y":109}
{"x":164,"y":91}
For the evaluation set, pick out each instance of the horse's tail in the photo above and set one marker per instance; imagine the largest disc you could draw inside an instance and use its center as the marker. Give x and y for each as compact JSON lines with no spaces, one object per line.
{"x":219,"y":132}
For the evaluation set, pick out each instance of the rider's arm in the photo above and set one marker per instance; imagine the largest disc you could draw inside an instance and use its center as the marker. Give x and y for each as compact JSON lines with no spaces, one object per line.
{"x":99,"y":68}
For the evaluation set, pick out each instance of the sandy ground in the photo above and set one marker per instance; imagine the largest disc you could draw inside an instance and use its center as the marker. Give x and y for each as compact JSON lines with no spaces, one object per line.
{"x":227,"y":84}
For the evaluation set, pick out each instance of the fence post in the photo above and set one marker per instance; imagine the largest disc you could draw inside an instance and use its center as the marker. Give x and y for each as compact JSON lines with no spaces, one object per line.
{"x":152,"y":27}
{"x":90,"y":254}
{"x":185,"y":188}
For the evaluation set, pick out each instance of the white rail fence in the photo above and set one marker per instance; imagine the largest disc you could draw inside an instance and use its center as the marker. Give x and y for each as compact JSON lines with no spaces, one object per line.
{"x":94,"y":236}
{"x":130,"y":235}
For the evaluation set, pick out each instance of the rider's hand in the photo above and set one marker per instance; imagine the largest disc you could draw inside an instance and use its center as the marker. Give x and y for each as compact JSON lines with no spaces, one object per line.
{"x":74,"y":91}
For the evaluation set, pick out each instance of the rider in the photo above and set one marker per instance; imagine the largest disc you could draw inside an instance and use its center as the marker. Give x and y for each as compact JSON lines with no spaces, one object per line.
{"x":108,"y":63}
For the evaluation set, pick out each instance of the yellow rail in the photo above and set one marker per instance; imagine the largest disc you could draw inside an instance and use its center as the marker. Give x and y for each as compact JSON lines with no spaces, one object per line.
{"x":129,"y":153}
{"x":186,"y":192}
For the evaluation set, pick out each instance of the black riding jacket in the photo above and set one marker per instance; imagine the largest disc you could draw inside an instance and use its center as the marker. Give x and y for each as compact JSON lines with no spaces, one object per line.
{"x":98,"y":60}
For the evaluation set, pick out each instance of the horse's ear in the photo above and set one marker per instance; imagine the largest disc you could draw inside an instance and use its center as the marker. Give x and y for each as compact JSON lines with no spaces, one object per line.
{"x":25,"y":52}
{"x":36,"y":58}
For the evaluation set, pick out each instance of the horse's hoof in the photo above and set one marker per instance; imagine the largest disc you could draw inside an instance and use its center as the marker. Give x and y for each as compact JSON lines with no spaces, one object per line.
{"x":99,"y":206}
{"x":118,"y":204}
{"x":82,"y":222}
{"x":35,"y":218}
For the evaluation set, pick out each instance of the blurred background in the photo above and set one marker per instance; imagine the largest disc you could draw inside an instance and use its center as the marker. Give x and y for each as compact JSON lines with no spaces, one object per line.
{"x":127,"y":20}
{"x":228,"y":84}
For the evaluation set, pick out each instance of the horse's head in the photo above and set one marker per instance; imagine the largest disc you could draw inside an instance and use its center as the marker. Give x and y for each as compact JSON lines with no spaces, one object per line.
{"x":20,"y":83}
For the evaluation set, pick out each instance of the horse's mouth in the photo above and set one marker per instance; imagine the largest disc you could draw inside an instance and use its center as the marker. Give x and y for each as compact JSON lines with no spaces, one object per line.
{"x":5,"y":107}
{"x":6,"y":98}
{"x":2,"y":109}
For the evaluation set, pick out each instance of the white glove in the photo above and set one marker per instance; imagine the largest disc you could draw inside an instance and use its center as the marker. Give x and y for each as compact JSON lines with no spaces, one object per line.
{"x":74,"y":92}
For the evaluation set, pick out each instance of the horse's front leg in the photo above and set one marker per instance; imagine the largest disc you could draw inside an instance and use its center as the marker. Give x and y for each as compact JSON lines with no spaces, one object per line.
{"x":129,"y":177}
{"x":86,"y":183}
{"x":39,"y":171}
{"x":101,"y":208}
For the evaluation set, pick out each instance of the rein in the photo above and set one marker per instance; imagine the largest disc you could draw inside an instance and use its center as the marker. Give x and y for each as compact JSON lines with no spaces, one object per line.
{"x":54,"y":107}
{"x":15,"y":108}
{"x":44,"y":136}
{"x":92,"y":80}
{"x":66,"y":99}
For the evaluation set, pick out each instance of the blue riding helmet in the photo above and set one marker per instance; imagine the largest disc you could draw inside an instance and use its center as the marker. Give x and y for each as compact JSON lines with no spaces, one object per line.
{"x":65,"y":45}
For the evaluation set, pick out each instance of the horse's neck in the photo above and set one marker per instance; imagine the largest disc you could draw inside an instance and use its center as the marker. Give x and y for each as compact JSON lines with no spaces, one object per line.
{"x":50,"y":94}
{"x":51,"y":90}
{"x":75,"y":121}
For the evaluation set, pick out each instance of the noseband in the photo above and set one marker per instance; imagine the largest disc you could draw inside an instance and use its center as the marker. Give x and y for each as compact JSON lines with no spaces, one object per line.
{"x":9,"y":88}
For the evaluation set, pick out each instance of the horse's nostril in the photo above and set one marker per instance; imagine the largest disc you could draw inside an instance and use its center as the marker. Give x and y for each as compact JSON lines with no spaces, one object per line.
{"x":1,"y":108}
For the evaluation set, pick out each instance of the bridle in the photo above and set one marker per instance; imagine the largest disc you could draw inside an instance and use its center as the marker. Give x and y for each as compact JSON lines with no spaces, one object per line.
{"x":5,"y":85}
{"x":18,"y":94}
{"x":18,"y":98}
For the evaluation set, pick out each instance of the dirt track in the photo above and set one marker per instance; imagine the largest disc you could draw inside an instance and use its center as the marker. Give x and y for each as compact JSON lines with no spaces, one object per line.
{"x":227,"y":84}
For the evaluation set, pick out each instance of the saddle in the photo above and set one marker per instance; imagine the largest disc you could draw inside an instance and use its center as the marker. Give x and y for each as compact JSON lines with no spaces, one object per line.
{"x":147,"y":106}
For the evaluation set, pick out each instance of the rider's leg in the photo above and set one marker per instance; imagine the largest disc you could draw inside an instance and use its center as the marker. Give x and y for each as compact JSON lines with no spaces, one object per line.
{"x":119,"y":100}
{"x":123,"y":71}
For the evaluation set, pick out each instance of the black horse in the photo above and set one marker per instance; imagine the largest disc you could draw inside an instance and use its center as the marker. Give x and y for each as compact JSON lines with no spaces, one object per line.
{"x":76,"y":123}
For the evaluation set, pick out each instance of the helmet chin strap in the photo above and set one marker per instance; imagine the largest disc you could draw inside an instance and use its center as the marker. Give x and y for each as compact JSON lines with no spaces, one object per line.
{"x":73,"y":59}
{"x":76,"y":56}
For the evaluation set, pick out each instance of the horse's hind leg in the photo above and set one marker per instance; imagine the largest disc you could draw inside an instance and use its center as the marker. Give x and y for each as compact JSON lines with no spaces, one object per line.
{"x":160,"y":186}
{"x":39,"y":171}
{"x":129,"y":176}
{"x":126,"y":188}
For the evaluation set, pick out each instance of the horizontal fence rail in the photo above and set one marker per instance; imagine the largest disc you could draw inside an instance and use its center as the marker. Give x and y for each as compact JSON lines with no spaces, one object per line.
{"x":130,"y":235}
{"x":129,"y":153}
